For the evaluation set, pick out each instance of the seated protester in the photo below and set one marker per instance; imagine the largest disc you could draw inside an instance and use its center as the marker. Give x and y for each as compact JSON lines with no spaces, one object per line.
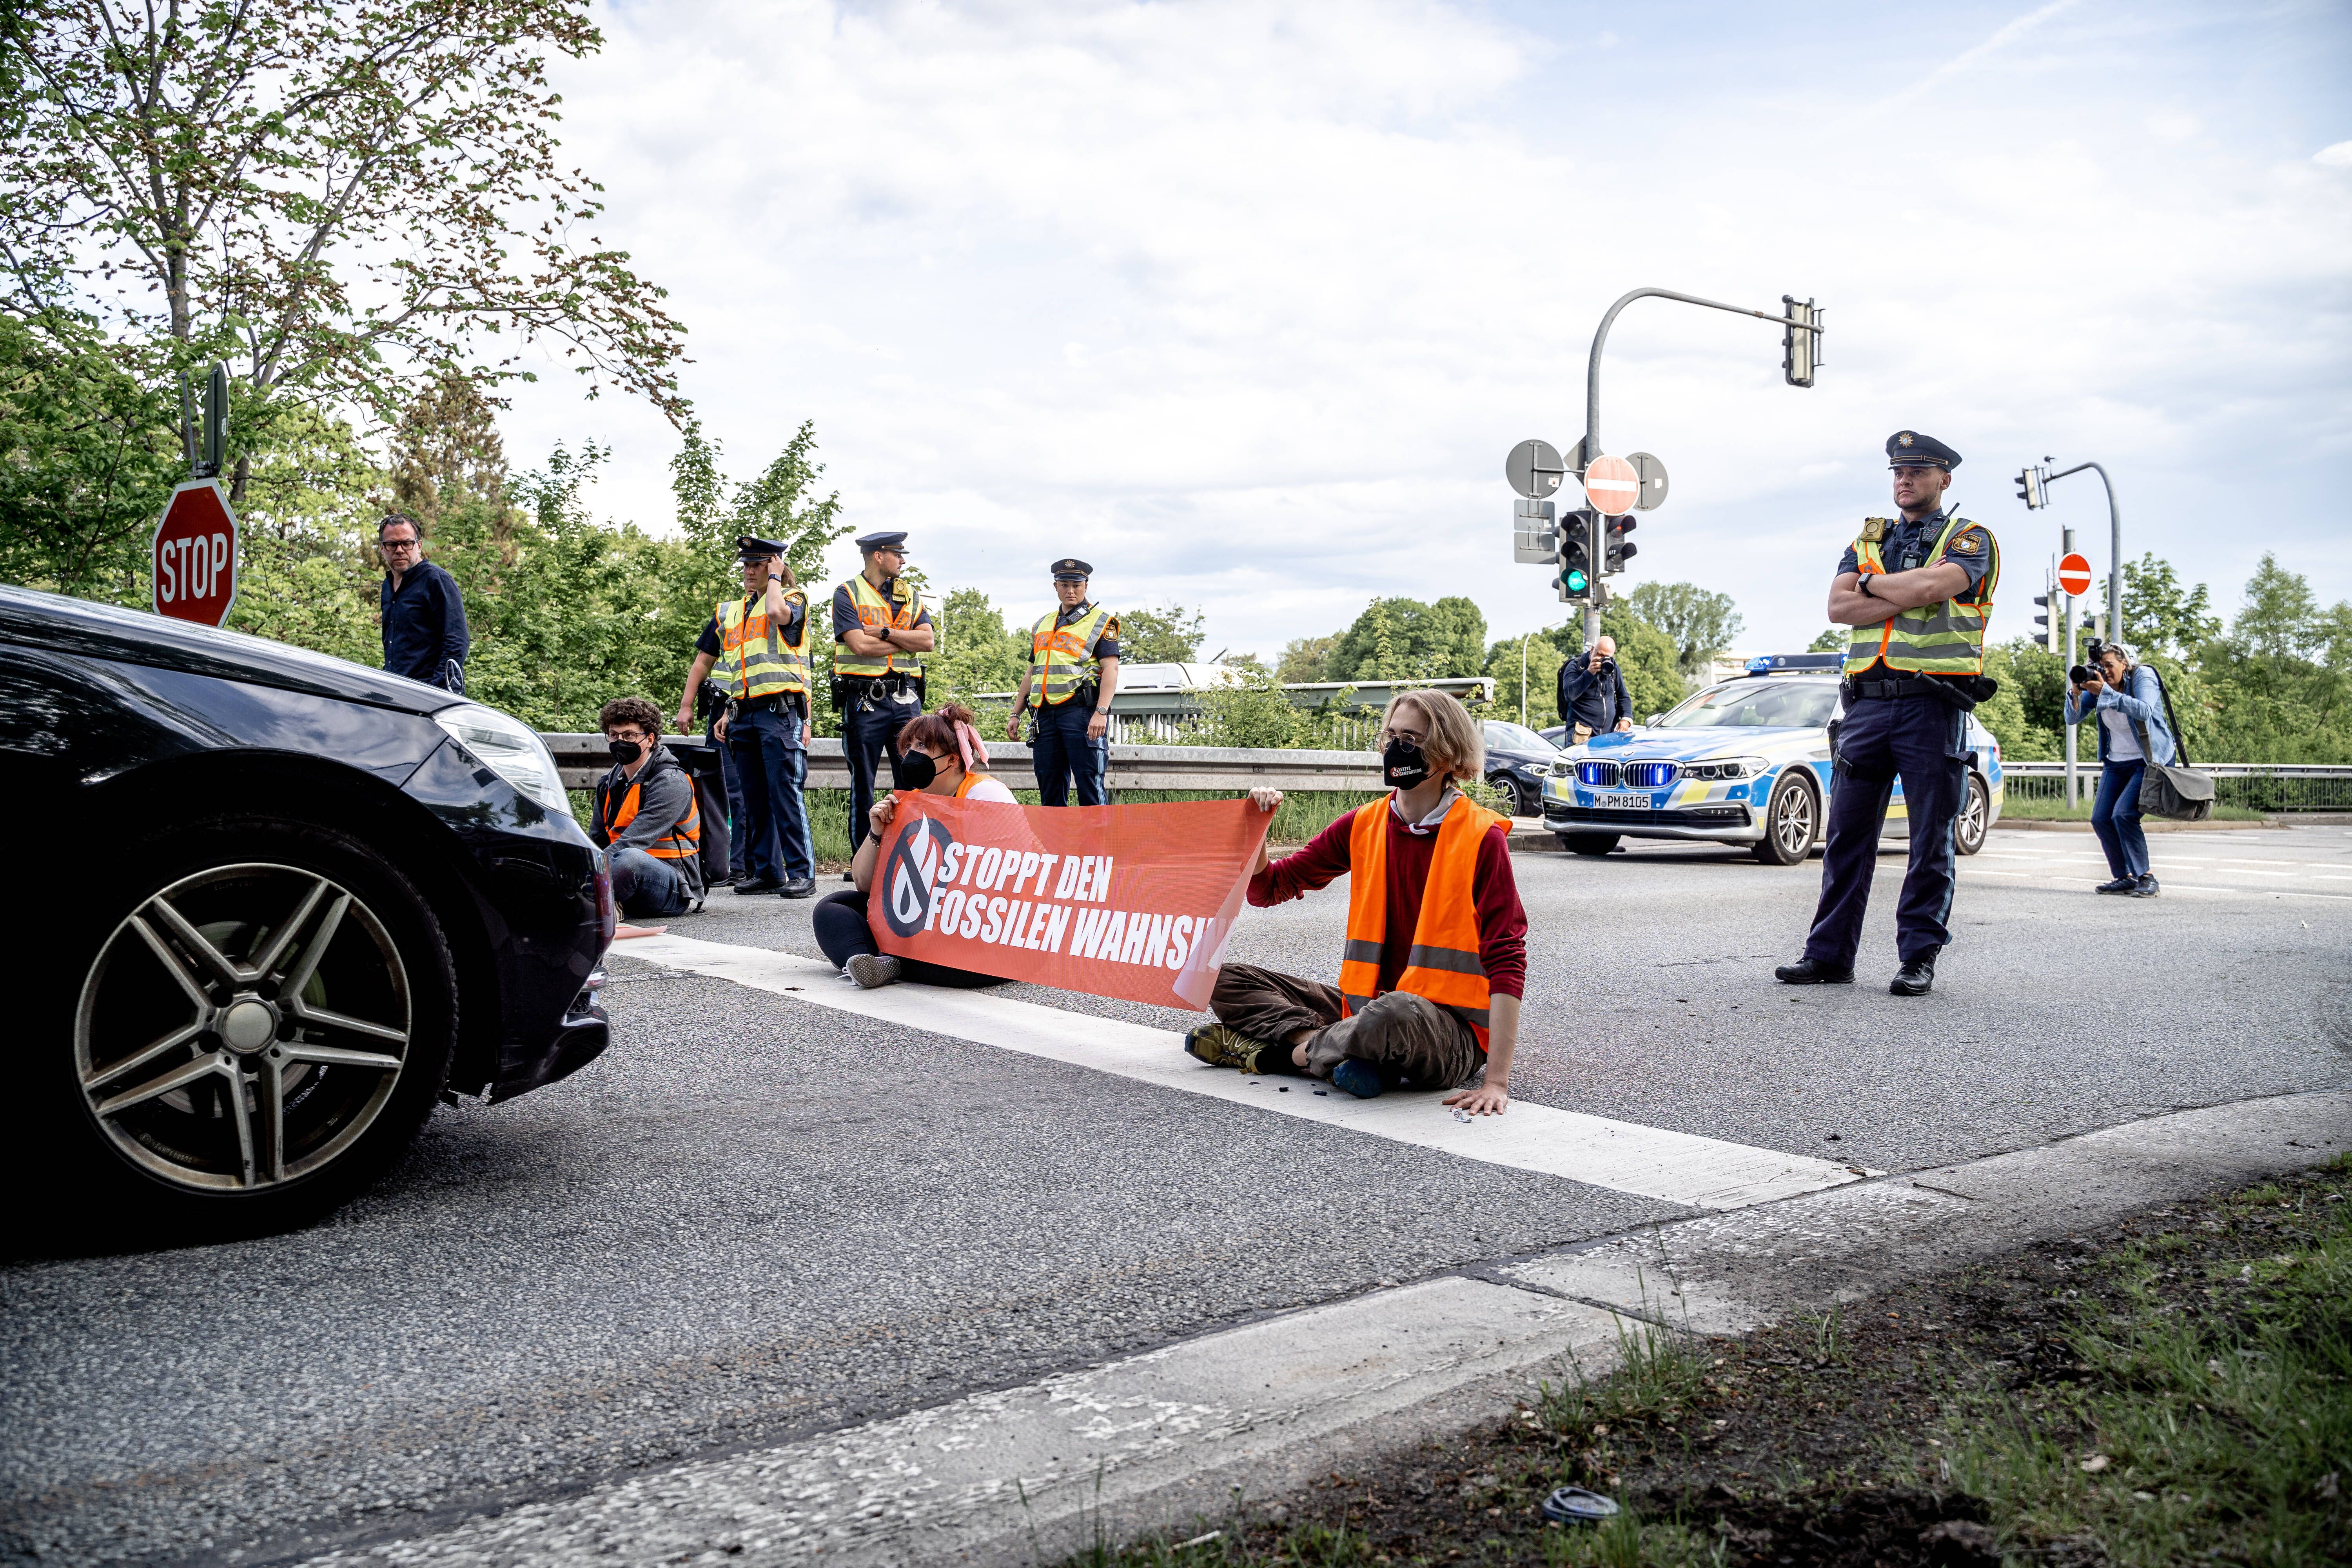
{"x":647,"y":821}
{"x":1435,"y":959}
{"x":937,"y":753}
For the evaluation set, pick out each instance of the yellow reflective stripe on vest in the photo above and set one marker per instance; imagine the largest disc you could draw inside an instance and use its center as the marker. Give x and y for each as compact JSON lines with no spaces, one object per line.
{"x":873,"y":611}
{"x":1945,"y":637}
{"x":1058,"y":663}
{"x":683,"y":838}
{"x":754,"y":660}
{"x":1443,"y":965}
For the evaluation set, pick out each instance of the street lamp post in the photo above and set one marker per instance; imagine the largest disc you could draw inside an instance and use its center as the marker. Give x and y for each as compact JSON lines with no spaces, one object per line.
{"x":2114,"y":547}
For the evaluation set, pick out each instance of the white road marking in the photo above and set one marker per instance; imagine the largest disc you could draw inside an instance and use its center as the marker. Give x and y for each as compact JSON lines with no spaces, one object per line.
{"x":1622,"y":1156}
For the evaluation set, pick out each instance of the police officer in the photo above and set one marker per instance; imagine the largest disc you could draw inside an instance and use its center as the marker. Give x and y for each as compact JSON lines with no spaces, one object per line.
{"x":757,"y":648}
{"x":1917,"y":593}
{"x":1073,"y":674}
{"x":881,"y":629}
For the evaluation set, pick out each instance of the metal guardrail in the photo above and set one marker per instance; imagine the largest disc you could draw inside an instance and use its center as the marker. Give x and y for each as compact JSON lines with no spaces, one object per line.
{"x":2256,"y":786}
{"x":583,"y":760}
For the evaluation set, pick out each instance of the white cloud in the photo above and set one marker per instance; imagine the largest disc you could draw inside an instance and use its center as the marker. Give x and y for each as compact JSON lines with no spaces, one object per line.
{"x":2337,"y":156}
{"x":1245,"y":302}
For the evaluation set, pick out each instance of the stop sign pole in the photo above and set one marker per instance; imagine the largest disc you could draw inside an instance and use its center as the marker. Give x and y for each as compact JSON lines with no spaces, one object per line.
{"x":193,"y":555}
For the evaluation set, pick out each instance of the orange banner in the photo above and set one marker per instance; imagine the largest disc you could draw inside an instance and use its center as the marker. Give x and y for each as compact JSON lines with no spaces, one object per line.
{"x":1115,"y":900}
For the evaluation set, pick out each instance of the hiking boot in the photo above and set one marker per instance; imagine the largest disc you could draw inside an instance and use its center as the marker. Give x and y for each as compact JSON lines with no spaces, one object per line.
{"x":1223,"y":1048}
{"x":873,"y":969}
{"x":1813,"y":972}
{"x":1361,"y":1080}
{"x":2144,"y":886}
{"x":2120,"y":884}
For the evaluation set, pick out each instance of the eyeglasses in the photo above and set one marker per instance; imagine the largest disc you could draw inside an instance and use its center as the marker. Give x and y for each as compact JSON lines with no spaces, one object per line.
{"x":389,"y":545}
{"x":1412,"y":737}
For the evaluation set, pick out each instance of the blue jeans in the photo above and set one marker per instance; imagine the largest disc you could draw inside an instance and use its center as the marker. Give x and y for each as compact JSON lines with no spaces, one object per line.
{"x":772,"y":764}
{"x":642,"y":887}
{"x":1061,"y":750}
{"x":2114,"y":817}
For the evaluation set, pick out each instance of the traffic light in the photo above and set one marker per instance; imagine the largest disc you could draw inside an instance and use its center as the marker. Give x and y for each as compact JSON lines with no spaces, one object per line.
{"x":1615,"y":546}
{"x":1800,"y":345}
{"x":2033,"y":488}
{"x":2043,"y":635}
{"x":1576,"y":531}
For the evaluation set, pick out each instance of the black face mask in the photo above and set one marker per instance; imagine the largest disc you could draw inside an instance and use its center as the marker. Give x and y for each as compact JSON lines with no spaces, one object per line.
{"x":915,"y":769}
{"x":1403,"y":764}
{"x":625,"y":752}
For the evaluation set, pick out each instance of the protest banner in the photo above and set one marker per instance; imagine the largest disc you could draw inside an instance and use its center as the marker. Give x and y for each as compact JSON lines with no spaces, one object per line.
{"x":1132,"y":901}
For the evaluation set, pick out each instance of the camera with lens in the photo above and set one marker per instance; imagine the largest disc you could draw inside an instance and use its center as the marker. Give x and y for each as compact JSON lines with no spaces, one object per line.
{"x":2080,"y":673}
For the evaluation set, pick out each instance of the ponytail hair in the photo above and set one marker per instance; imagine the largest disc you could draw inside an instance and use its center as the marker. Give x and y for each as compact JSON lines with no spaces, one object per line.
{"x":948,"y":730}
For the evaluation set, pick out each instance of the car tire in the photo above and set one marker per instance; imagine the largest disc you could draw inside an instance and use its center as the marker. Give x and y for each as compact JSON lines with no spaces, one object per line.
{"x":1792,"y":820}
{"x":252,"y":1021}
{"x":1523,"y":800}
{"x":1976,"y":816}
{"x":1589,"y":843}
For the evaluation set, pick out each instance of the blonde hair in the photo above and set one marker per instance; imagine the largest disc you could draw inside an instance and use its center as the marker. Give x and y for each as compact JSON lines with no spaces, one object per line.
{"x":1455,"y":743}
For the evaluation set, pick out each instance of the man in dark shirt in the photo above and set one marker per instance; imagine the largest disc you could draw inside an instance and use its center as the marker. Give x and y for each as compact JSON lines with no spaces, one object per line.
{"x":424,"y":615}
{"x":1592,"y":697}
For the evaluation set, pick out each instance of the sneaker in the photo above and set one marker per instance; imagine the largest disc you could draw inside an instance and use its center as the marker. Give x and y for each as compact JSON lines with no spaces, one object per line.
{"x":2120,"y":884}
{"x":1222,"y":1047}
{"x":2146,"y":886}
{"x":1361,"y":1080}
{"x":873,"y":969}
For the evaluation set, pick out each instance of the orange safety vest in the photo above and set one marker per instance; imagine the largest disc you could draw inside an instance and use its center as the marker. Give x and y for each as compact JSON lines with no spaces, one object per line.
{"x":682,"y":842}
{"x":1443,"y":964}
{"x":970,"y":777}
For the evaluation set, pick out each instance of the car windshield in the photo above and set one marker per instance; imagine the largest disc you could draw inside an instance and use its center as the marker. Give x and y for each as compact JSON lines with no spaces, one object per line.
{"x":1516,"y":737}
{"x":1760,"y":705}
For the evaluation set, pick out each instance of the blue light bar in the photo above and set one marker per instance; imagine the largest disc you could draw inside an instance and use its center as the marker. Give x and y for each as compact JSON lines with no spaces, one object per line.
{"x":1771,"y":663}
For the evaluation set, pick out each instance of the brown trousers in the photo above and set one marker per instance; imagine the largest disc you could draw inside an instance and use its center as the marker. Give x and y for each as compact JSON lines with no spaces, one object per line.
{"x":1410,"y":1039}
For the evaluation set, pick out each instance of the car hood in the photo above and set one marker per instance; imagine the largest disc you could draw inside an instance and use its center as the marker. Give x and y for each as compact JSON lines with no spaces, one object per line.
{"x":1689,"y":745}
{"x":135,"y":637}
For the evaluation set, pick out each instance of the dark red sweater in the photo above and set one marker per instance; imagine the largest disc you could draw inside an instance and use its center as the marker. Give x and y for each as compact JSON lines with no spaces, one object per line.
{"x":1502,"y":924}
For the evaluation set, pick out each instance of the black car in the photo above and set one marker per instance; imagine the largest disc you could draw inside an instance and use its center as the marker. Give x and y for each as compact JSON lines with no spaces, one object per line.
{"x":1519,"y":760}
{"x":279,"y":904}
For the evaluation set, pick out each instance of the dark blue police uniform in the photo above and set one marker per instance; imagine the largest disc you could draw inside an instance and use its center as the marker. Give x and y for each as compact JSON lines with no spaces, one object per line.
{"x":1897,"y":724}
{"x":765,"y":761}
{"x":873,"y":710}
{"x":1061,"y":751}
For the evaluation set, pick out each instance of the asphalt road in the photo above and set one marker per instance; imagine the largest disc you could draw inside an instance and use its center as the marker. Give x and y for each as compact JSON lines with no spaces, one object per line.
{"x":756,"y":1218}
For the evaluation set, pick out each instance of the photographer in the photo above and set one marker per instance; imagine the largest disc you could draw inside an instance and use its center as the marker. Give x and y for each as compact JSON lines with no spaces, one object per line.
{"x":2129,"y":700}
{"x":1592,"y":696}
{"x":937,"y":754}
{"x":648,"y":821}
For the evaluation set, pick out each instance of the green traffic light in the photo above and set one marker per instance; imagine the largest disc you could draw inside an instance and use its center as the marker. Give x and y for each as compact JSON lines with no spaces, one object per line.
{"x":1575,"y":580}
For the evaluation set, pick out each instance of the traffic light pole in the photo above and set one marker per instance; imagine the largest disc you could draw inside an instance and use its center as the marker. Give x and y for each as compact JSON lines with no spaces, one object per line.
{"x":2115,"y":552}
{"x":1803,"y":318}
{"x":2074,"y":789}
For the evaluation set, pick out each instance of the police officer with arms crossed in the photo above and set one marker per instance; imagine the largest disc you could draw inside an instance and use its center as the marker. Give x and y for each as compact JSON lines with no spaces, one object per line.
{"x":1069,"y":702}
{"x":880,"y":630}
{"x":757,"y":647}
{"x":1917,"y":594}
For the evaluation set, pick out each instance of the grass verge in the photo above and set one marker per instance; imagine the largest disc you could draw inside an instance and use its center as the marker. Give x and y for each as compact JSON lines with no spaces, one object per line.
{"x":2030,"y":808}
{"x":2177,"y":1390}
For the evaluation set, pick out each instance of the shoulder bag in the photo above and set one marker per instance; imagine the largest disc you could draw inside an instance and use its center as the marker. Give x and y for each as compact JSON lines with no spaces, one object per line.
{"x":2174,"y":789}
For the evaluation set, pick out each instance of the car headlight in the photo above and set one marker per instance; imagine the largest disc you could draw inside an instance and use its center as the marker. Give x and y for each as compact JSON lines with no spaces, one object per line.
{"x":1537,"y":768}
{"x":509,"y":748}
{"x":1726,"y":768}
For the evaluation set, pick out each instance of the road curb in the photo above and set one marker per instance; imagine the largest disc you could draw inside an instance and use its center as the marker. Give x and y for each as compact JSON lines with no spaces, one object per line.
{"x":1151,"y":1441}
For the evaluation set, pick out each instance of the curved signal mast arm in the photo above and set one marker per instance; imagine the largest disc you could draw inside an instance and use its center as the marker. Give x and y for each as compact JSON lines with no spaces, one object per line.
{"x":1592,"y":369}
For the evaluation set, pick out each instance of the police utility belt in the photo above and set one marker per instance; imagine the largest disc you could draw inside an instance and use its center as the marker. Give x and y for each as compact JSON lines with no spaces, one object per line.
{"x":779,"y":702}
{"x":1963,"y":692}
{"x":863,"y":691}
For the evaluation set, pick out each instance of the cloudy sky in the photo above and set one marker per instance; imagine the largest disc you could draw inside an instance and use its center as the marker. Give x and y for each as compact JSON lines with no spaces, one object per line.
{"x":1245,"y":301}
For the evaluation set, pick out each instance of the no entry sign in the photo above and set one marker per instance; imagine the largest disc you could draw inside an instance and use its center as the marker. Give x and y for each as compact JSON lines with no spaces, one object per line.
{"x":1613,"y":486}
{"x":196,"y":554}
{"x":2074,"y":573}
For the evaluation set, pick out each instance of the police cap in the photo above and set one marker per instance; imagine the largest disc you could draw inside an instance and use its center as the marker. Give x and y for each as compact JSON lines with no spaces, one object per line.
{"x":870,"y":542}
{"x":1070,"y":569}
{"x":1909,"y":449}
{"x":751,"y":547}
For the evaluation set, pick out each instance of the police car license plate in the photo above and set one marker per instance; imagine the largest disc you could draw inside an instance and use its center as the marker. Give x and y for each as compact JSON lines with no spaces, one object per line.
{"x":1621,"y":802}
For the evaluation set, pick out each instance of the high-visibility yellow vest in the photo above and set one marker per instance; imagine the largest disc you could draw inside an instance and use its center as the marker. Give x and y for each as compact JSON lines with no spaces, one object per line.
{"x":754,"y":660}
{"x":1059,"y":659}
{"x":874,"y":612}
{"x":1443,"y":964}
{"x":1947,"y":637}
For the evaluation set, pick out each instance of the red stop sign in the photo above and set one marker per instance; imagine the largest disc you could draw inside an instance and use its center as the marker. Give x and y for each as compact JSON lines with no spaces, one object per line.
{"x":196,"y":554}
{"x":2074,"y":573}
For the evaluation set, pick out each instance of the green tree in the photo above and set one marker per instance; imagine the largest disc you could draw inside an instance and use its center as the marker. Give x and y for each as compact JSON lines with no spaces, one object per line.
{"x":1543,"y":659}
{"x":327,"y":193}
{"x":1833,"y":640}
{"x":1172,"y":635}
{"x":1306,"y":659}
{"x":2280,"y":619}
{"x":1404,"y":639}
{"x":980,"y":653}
{"x":2159,"y":616}
{"x":1701,"y":623}
{"x":1252,"y":709}
{"x":2023,"y":737}
{"x":310,"y":571}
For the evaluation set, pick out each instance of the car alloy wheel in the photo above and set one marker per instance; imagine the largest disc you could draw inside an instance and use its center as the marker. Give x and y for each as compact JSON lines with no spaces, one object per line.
{"x":1790,"y":819}
{"x":1975,"y":809}
{"x":243,"y":1028}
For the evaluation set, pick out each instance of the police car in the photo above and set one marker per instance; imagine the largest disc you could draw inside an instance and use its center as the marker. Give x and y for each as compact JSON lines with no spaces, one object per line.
{"x":1745,"y":761}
